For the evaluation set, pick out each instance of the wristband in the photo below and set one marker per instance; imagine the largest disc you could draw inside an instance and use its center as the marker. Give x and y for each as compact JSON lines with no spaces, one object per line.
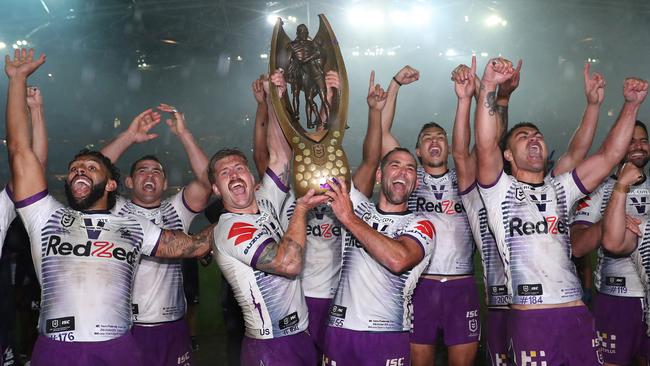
{"x":398,"y":83}
{"x":621,"y":188}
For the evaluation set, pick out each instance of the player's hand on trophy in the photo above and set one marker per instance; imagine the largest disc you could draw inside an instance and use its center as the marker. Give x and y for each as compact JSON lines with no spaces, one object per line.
{"x":277,"y":79}
{"x":23,"y":63}
{"x":635,"y":90}
{"x":594,"y":86}
{"x":140,"y":126}
{"x":407,"y":75}
{"x":34,"y":97}
{"x":258,"y":90}
{"x":376,"y":94}
{"x":497,"y":71}
{"x":339,"y":199}
{"x":311,"y":200}
{"x":509,"y":86}
{"x":463,"y":78}
{"x":177,"y":123}
{"x":332,"y":82}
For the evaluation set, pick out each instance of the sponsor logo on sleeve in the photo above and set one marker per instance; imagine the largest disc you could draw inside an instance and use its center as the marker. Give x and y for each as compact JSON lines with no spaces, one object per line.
{"x":426,"y":228}
{"x":241,"y":231}
{"x":583,"y":204}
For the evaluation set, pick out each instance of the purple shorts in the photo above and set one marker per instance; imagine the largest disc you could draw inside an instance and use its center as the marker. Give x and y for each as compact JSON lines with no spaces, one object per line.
{"x":318,"y":316}
{"x":450,"y":308}
{"x":496,"y":336}
{"x":344,"y":347}
{"x":121,"y":351}
{"x":558,"y":336}
{"x":296,"y":350}
{"x":166,"y":344}
{"x":620,"y":326}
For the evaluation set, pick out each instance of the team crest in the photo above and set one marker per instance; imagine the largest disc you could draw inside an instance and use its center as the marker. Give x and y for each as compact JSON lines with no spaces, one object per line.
{"x":519,"y":194}
{"x":67,"y":220}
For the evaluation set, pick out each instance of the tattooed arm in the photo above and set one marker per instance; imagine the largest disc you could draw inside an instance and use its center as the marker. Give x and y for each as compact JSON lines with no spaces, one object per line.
{"x":285,"y":258}
{"x":177,"y":244}
{"x":279,"y":149}
{"x":490,"y":163}
{"x":503,"y":98}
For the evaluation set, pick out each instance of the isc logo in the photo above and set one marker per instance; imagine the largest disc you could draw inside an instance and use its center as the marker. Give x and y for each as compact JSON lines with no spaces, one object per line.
{"x":395,"y":362}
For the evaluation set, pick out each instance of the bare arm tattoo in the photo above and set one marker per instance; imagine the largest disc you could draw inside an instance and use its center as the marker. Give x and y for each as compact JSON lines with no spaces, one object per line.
{"x":503,"y":113}
{"x":177,"y":244}
{"x":491,"y":102}
{"x":283,"y":258}
{"x":284,"y":176}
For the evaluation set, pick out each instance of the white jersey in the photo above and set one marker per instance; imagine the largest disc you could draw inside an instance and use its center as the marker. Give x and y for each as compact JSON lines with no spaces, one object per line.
{"x":158,"y":295}
{"x":641,"y":260}
{"x":437,"y":198}
{"x":494,"y":275}
{"x":614,"y":275}
{"x":530,"y":225}
{"x":7,"y":215}
{"x":273,"y":306}
{"x":370,"y":297}
{"x":85,"y":262}
{"x":322,"y":262}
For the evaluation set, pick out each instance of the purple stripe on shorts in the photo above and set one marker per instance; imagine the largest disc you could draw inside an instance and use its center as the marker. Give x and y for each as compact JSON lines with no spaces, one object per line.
{"x":30,"y":200}
{"x":185,"y":203}
{"x":469,"y":189}
{"x":417,"y":241}
{"x":155,"y":247}
{"x":259,"y":251}
{"x":493,"y":183}
{"x":578,"y":182}
{"x":582,"y":222}
{"x":277,"y":180}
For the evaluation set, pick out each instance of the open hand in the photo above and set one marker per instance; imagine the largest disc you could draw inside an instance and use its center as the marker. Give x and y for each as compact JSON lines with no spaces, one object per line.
{"x":176,"y":124}
{"x":140,"y":126}
{"x":23,"y":63}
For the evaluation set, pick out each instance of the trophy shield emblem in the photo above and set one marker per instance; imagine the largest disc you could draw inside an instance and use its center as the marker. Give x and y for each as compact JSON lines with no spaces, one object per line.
{"x":318,"y":155}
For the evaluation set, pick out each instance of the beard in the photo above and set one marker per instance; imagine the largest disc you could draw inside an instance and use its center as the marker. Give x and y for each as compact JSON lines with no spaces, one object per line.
{"x":96,"y":193}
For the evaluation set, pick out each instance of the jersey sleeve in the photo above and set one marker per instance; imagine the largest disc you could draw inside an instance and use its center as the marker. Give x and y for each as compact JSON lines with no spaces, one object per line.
{"x":272,"y":189}
{"x":422,"y":231}
{"x":241,"y":238}
{"x":120,"y":202}
{"x":184,"y":211}
{"x":588,"y":209}
{"x":151,"y":236}
{"x":357,"y":197}
{"x":573,"y":187}
{"x":7,"y":215}
{"x":494,"y":194}
{"x":36,"y":210}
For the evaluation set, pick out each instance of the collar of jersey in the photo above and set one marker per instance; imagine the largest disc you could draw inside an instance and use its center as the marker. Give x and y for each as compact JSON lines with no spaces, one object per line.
{"x":146,"y":208}
{"x":401,"y":213}
{"x":436,"y":176}
{"x":532,"y":184}
{"x":95,"y":212}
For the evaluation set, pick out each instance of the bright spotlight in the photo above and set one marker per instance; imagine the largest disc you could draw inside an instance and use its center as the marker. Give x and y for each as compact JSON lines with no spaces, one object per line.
{"x":3,"y":45}
{"x":264,"y":56}
{"x":494,"y":20}
{"x":272,"y":18}
{"x":292,"y":19}
{"x":451,"y":53}
{"x":355,"y":53}
{"x":390,"y":53}
{"x":484,"y":54}
{"x":15,"y":46}
{"x":366,"y":17}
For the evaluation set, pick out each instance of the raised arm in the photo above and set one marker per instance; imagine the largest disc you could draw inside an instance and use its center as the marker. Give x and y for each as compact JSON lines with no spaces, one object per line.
{"x":490,"y":160}
{"x":398,"y":255}
{"x":137,"y":132}
{"x":198,"y":191}
{"x":616,"y":237}
{"x":464,"y":158}
{"x":279,"y":149}
{"x":364,"y":176}
{"x":581,"y":140}
{"x":260,"y":150}
{"x":405,"y":76}
{"x":39,"y":131}
{"x":285,"y":258}
{"x":27,"y":175}
{"x":503,"y":98}
{"x":595,"y":168}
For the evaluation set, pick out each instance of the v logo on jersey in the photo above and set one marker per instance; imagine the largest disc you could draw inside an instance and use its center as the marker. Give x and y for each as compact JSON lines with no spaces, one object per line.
{"x":540,"y":202}
{"x":320,"y":212}
{"x":93,"y":231}
{"x":243,"y":231}
{"x":438,"y":192}
{"x":426,"y":228}
{"x":639,"y":203}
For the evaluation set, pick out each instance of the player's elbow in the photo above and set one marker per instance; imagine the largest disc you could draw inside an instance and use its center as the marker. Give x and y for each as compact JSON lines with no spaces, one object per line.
{"x":399,"y":264}
{"x":292,"y":270}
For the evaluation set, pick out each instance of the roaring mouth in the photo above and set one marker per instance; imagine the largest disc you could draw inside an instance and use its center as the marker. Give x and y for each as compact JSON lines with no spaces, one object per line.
{"x":637,"y":154}
{"x":149,"y":186}
{"x":81,"y":185}
{"x":435,"y":151}
{"x":237,"y":186}
{"x":535,"y":150}
{"x":399,"y":184}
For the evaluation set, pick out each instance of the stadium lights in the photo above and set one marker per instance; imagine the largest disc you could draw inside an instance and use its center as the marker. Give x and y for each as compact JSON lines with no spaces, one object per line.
{"x":272,"y":18}
{"x":494,"y":20}
{"x":3,"y":45}
{"x":375,"y":17}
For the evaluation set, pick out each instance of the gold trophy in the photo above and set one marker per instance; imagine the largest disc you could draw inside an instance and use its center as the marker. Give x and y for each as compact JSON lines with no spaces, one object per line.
{"x":318,"y":156}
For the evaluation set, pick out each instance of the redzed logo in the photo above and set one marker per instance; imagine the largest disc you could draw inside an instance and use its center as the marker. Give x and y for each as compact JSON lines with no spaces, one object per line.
{"x":243,"y":231}
{"x":426,"y":228}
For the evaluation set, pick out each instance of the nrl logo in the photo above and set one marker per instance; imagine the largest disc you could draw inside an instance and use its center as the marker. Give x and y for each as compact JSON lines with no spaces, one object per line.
{"x":519,"y":194}
{"x":67,"y":220}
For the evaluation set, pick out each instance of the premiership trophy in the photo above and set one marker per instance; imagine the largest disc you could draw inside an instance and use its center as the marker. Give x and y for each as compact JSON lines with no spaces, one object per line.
{"x":318,"y":156}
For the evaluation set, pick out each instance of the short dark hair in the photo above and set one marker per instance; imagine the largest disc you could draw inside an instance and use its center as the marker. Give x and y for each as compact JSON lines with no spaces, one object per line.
{"x":113,"y":171}
{"x":384,"y":160}
{"x":147,"y":157}
{"x":642,"y":125}
{"x":222,"y":154}
{"x":503,"y":144}
{"x":427,"y":126}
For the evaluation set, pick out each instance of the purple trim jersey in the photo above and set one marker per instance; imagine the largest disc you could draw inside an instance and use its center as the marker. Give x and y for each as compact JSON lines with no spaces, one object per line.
{"x":7,"y":215}
{"x":273,"y":306}
{"x":438,"y":200}
{"x":641,"y":260}
{"x":614,"y":275}
{"x":85,"y":262}
{"x":494,"y":274}
{"x":530,"y":226}
{"x":322,"y":262}
{"x":158,"y":289}
{"x":370,"y":297}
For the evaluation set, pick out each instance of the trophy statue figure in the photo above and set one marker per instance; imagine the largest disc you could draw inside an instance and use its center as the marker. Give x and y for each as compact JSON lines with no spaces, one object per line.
{"x":318,"y":156}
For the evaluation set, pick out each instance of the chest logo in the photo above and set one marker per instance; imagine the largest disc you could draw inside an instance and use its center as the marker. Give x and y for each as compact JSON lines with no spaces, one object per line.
{"x":241,"y":231}
{"x":519,"y":194}
{"x":639,"y":204}
{"x":67,"y":220}
{"x":438,"y":192}
{"x":93,"y":230}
